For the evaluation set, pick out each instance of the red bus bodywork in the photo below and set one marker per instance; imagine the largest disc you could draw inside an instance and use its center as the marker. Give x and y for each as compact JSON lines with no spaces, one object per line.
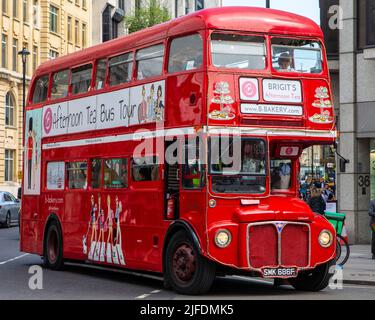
{"x":267,"y":230}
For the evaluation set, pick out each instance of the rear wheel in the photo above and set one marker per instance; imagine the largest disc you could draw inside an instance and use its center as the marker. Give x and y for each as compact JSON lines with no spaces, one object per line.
{"x":186,"y":271}
{"x":53,"y":251}
{"x":313,"y":280}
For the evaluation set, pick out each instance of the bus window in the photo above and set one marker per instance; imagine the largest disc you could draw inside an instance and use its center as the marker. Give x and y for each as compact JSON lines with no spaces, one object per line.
{"x":281,"y":171}
{"x":101,"y":69}
{"x":77,"y":175}
{"x":116,"y":173}
{"x":60,"y":84}
{"x":96,"y":173}
{"x":120,"y":69}
{"x":81,"y":79}
{"x":41,"y":89}
{"x":150,"y":62}
{"x":55,"y":175}
{"x":238,"y":51}
{"x":238,"y":165}
{"x":145,"y":169}
{"x":294,"y":55}
{"x":186,"y":53}
{"x":192,"y":177}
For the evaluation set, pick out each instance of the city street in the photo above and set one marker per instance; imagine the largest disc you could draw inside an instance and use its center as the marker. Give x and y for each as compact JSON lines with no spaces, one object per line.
{"x":86,"y":282}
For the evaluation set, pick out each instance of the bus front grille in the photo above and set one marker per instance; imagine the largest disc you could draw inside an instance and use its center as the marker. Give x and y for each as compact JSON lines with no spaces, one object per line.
{"x":273,"y":244}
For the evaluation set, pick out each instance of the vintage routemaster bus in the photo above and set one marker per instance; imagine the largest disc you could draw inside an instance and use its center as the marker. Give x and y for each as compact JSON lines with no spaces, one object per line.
{"x":98,"y":187}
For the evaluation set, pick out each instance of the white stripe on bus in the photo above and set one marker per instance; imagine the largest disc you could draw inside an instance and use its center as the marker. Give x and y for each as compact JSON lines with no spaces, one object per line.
{"x":189,"y":131}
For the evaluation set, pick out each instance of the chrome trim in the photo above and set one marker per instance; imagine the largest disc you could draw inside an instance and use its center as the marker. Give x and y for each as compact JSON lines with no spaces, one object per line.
{"x":274,"y":223}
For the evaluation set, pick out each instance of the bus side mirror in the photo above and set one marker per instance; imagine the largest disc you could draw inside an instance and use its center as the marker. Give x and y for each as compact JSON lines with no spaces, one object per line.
{"x":343,"y":163}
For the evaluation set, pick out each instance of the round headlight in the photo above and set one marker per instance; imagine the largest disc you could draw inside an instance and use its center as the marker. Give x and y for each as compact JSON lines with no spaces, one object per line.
{"x":223,"y":238}
{"x":325,"y":238}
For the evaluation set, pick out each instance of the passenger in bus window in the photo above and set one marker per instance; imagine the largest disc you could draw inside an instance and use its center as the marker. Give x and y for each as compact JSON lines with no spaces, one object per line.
{"x":285,"y":62}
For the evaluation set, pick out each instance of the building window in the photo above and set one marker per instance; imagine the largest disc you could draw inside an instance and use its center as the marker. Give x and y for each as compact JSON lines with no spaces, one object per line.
{"x":77,"y":2}
{"x":9,"y":165}
{"x":9,"y":109}
{"x":106,"y":24}
{"x":4,"y":6}
{"x":15,"y":8}
{"x":35,"y":58}
{"x":370,"y":23}
{"x":121,"y":4}
{"x":53,"y":54}
{"x":69,"y":27}
{"x":36,"y":13}
{"x":187,"y":6}
{"x":15,"y":54}
{"x":176,"y":8}
{"x":137,"y":4}
{"x":25,"y":7}
{"x":53,"y":18}
{"x":84,"y":35}
{"x":199,"y":5}
{"x":76,"y":32}
{"x":4,"y":51}
{"x":84,"y":4}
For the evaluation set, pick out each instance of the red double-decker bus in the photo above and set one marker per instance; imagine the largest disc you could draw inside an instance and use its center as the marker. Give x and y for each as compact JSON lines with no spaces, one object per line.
{"x":214,"y":86}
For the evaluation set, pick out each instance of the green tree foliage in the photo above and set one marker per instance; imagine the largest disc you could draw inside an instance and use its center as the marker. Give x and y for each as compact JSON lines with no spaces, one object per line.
{"x":151,"y":12}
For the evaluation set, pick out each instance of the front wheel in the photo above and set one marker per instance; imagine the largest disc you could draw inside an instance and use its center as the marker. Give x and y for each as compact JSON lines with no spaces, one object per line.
{"x":8,"y":221}
{"x":53,"y":250}
{"x":313,"y":280}
{"x":344,"y":254}
{"x":186,"y":271}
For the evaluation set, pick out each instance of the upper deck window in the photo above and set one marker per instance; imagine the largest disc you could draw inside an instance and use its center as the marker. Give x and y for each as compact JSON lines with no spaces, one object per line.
{"x":60,"y":84}
{"x":238,"y":51}
{"x":150,"y":62}
{"x":120,"y":69}
{"x":295,"y":55}
{"x":81,"y":79}
{"x":186,"y":53}
{"x":41,"y":89}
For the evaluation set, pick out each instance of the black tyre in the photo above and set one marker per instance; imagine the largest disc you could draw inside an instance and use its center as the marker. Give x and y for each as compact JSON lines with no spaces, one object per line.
{"x":313,"y":280}
{"x":8,"y":221}
{"x":344,"y":254}
{"x":186,"y":271}
{"x":53,"y":249}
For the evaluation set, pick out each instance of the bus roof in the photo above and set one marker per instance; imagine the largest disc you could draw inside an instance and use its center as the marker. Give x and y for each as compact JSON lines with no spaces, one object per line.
{"x":251,"y":19}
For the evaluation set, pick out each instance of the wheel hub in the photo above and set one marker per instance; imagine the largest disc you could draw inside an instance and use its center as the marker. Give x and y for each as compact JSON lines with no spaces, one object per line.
{"x":184,"y":263}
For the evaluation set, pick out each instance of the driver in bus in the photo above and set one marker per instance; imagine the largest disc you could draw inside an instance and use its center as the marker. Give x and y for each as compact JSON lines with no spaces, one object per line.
{"x":285,"y":62}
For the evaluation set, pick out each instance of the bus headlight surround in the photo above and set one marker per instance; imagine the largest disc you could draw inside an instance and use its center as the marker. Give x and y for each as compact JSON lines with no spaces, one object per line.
{"x":325,"y":238}
{"x":223,"y":238}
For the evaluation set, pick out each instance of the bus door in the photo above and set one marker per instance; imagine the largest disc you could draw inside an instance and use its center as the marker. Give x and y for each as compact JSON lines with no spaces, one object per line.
{"x":172,"y":183}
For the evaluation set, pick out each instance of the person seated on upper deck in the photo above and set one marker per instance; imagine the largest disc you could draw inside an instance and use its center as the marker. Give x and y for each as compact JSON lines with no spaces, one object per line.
{"x":285,"y":62}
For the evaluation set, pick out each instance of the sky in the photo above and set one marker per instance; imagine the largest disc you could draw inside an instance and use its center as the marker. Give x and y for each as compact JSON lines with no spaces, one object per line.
{"x":307,"y":8}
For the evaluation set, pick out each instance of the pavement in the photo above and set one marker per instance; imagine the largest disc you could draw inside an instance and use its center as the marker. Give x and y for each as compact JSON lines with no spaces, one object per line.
{"x":83,"y":282}
{"x":360,"y":268}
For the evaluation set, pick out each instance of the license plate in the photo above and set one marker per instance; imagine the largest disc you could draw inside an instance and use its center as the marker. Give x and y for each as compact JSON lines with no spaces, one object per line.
{"x":280,"y":272}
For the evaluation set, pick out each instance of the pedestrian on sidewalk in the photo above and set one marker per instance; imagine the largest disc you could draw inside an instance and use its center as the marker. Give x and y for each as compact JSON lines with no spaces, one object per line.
{"x":316,"y":202}
{"x":371,"y":213}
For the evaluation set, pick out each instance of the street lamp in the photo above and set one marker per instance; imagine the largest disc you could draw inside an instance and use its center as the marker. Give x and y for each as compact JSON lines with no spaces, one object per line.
{"x":268,"y":4}
{"x":24,"y":53}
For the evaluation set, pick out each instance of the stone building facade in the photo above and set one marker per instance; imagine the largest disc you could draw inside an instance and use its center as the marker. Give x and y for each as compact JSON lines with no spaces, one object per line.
{"x":47,"y":29}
